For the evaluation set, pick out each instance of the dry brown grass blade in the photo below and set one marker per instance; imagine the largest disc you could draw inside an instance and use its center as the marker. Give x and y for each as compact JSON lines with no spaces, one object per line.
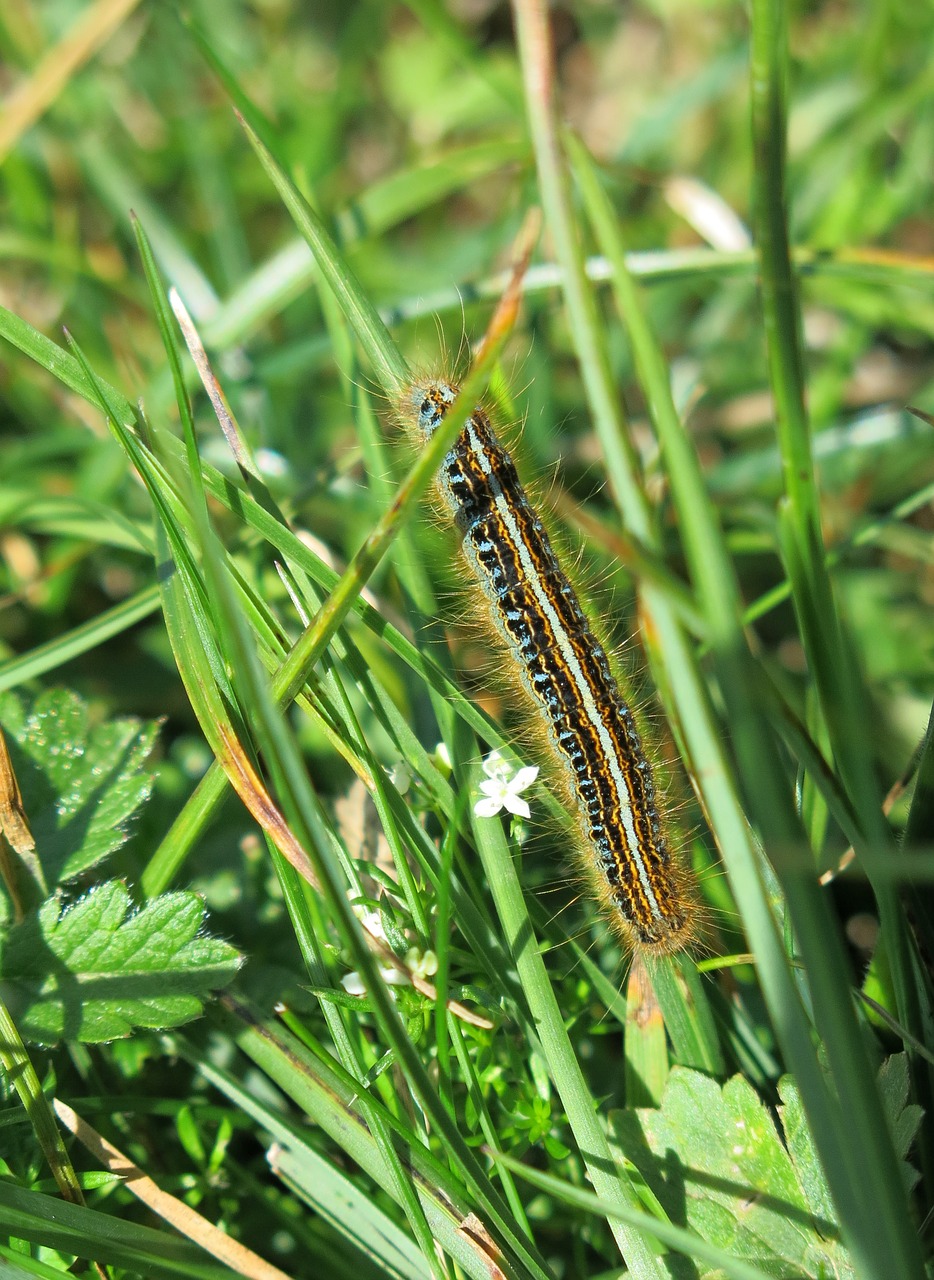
{"x":507,"y":309}
{"x":19,"y":866}
{"x":178,"y":1214}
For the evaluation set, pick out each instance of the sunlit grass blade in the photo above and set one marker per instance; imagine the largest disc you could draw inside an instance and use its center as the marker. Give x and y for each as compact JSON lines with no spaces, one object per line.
{"x":306,"y":818}
{"x":20,"y":1074}
{"x":675,"y":1237}
{"x":84,"y":639}
{"x":372,"y":334}
{"x":62,"y":366}
{"x":835,"y":673}
{"x":174,"y":1210}
{"x":327,"y":1095}
{"x":612,"y":1184}
{"x":714,"y":580}
{"x":662,"y":629}
{"x":878,"y":1231}
{"x":99,"y":1237}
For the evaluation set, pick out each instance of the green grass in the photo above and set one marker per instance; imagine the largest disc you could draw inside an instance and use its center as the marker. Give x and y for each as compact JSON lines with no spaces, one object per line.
{"x":727,"y":430}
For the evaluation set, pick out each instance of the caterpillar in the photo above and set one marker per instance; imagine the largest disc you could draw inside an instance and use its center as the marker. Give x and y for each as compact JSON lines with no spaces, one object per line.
{"x":566,"y":673}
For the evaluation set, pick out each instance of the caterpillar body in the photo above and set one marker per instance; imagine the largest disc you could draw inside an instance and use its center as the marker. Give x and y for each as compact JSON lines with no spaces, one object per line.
{"x":566,"y":673}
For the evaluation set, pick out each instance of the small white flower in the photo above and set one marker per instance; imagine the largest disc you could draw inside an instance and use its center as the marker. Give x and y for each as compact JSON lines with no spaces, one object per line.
{"x":442,"y":759}
{"x":502,"y":789}
{"x":400,"y":777}
{"x":371,"y":920}
{"x":421,"y":965}
{"x":353,"y":983}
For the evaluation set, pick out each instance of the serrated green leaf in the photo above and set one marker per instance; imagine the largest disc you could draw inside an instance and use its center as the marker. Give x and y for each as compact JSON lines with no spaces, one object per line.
{"x":94,"y":971}
{"x":802,"y":1151}
{"x":904,"y":1118}
{"x":81,"y":782}
{"x":715,"y":1159}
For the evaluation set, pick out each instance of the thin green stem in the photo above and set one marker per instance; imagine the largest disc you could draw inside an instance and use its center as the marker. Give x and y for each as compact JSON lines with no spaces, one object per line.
{"x":21,"y":1074}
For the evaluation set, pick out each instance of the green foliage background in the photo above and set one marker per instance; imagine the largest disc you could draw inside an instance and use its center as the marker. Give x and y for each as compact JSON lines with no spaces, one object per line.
{"x":408,"y":130}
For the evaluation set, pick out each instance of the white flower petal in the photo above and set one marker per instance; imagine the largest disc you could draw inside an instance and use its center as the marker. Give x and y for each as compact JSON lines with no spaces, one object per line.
{"x":371,"y":921}
{"x":421,"y":966}
{"x":524,"y":778}
{"x":515,"y":804}
{"x":400,"y":777}
{"x":353,"y":984}
{"x":502,"y":787}
{"x":494,"y":766}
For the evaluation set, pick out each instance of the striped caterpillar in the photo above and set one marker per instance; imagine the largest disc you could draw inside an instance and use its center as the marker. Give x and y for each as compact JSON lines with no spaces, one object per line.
{"x":566,"y":673}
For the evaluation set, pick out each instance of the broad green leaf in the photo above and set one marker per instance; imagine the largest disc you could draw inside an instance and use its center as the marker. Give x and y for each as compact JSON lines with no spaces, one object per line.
{"x":904,"y":1118}
{"x":95,"y":970}
{"x":81,"y":782}
{"x":802,"y":1152}
{"x":717,"y":1162}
